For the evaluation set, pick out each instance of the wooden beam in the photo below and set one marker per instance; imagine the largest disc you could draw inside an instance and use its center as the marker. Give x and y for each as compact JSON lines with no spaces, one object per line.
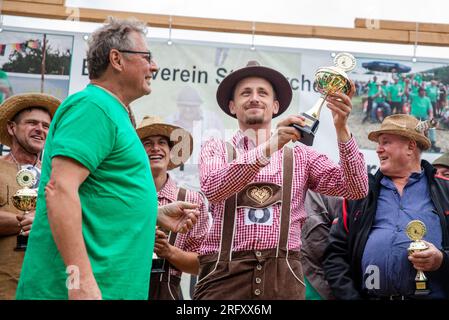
{"x":54,"y":2}
{"x":400,"y":25}
{"x":57,"y":11}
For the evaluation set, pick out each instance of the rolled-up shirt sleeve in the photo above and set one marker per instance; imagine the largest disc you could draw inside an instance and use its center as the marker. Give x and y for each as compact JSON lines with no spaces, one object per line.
{"x":348,"y":179}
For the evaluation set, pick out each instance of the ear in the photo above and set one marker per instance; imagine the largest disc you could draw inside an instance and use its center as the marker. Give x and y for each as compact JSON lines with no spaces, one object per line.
{"x":232,"y":107}
{"x":9,"y":127}
{"x":116,"y":60}
{"x":275,"y":107}
{"x":412,"y":145}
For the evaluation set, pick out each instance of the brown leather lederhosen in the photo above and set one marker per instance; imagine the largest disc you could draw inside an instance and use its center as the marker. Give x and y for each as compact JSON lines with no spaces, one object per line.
{"x":165,"y":286}
{"x":10,"y":260}
{"x":253,"y":274}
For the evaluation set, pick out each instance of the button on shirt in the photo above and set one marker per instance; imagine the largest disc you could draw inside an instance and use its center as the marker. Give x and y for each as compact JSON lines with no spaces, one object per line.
{"x":219,"y":180}
{"x":386,"y":247}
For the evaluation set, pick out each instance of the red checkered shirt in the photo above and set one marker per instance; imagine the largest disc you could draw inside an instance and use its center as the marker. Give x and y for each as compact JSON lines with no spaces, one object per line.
{"x":190,"y":241}
{"x":219,"y":180}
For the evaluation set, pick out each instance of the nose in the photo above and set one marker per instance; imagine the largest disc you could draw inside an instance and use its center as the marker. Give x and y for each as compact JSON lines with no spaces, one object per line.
{"x":254,"y":98}
{"x":379,"y":148}
{"x":153,"y":65}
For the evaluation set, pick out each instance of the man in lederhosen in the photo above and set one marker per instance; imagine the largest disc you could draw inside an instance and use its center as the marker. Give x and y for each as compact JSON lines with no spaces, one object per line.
{"x":256,"y":188}
{"x":24,"y":122}
{"x":178,"y":252}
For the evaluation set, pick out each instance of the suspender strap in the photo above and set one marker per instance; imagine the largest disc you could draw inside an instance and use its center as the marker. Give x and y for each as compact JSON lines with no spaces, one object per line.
{"x":287,"y":178}
{"x":229,"y":215}
{"x":172,"y":235}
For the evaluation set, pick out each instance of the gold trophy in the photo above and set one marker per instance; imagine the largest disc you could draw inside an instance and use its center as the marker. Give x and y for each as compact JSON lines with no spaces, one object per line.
{"x":25,"y":200}
{"x":328,"y":80}
{"x":416,"y":230}
{"x":158,"y":265}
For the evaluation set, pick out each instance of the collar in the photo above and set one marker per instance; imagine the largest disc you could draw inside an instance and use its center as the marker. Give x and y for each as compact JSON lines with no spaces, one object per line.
{"x":412,"y":179}
{"x":169,"y":190}
{"x":127,"y":108}
{"x":242,"y":141}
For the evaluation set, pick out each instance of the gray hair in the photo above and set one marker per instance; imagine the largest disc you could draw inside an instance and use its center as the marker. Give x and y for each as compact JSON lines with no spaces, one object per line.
{"x":113,"y":35}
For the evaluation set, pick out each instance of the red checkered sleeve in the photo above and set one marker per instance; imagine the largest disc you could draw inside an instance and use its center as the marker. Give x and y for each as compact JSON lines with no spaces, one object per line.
{"x":191,"y":241}
{"x":349,"y":179}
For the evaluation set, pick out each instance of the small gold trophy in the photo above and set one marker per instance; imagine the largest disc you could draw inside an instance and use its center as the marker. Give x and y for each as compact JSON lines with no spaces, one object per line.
{"x":25,"y":200}
{"x":416,"y":230}
{"x":158,"y":265}
{"x":328,"y":80}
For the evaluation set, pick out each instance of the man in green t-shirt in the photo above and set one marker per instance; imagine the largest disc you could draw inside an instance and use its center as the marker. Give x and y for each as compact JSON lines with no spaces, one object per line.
{"x":421,"y":107}
{"x":373,"y":88}
{"x":94,"y":228}
{"x":432,"y":92}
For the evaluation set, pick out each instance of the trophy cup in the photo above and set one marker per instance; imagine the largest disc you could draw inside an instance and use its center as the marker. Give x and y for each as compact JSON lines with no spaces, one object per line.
{"x":25,"y":200}
{"x":416,"y":230}
{"x":158,"y":265}
{"x":328,"y":80}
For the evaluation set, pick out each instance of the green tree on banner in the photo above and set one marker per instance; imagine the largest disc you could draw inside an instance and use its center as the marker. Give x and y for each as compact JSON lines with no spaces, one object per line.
{"x":30,"y":60}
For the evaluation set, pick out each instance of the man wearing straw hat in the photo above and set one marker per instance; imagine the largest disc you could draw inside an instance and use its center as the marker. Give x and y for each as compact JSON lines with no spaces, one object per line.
{"x":167,"y":147}
{"x":93,"y":233}
{"x":24,"y":122}
{"x":256,"y":189}
{"x":367,"y":253}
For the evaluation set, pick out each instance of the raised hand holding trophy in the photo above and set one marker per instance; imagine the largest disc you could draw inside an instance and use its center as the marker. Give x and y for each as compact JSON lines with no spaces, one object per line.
{"x":25,"y":200}
{"x":328,"y":80}
{"x":416,"y":230}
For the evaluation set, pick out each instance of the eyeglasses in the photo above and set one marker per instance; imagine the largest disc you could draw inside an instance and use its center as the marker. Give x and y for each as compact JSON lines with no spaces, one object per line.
{"x":148,"y":54}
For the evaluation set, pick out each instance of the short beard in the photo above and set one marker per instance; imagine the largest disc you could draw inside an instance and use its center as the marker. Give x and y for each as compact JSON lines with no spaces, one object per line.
{"x":251,"y":121}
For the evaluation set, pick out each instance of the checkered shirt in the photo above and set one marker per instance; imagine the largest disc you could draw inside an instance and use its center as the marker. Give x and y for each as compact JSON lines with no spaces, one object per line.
{"x":219,"y":180}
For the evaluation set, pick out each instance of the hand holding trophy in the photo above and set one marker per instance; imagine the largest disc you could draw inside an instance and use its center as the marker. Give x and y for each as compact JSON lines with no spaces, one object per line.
{"x":328,"y":80}
{"x":25,"y":200}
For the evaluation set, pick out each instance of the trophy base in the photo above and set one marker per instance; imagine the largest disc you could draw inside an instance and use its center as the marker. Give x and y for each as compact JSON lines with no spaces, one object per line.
{"x":158,"y":266}
{"x":308,"y":130}
{"x":421,"y":288}
{"x":22,"y":242}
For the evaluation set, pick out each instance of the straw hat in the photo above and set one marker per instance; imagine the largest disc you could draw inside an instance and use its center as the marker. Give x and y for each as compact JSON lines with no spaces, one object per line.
{"x":11,"y":106}
{"x":155,"y":126}
{"x":402,"y":125}
{"x":280,"y":85}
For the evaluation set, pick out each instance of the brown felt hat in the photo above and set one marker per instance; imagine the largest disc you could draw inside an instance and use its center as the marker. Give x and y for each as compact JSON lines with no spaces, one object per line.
{"x":155,"y":126}
{"x":280,"y":85}
{"x":13,"y":105}
{"x":402,"y":125}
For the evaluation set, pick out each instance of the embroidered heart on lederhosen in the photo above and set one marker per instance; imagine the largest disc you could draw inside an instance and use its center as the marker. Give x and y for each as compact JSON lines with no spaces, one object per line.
{"x":260,"y":195}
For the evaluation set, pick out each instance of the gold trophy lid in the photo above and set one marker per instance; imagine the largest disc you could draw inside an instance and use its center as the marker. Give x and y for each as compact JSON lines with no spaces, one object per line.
{"x":333,"y":70}
{"x":416,"y":230}
{"x":25,"y":178}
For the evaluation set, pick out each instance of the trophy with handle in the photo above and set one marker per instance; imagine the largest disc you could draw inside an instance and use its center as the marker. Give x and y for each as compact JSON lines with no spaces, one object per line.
{"x":328,"y":80}
{"x":24,"y":200}
{"x":416,"y":230}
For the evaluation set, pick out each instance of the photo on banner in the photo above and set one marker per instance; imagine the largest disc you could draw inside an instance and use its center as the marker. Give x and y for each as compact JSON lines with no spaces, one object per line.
{"x":397,"y":86}
{"x":34,"y":62}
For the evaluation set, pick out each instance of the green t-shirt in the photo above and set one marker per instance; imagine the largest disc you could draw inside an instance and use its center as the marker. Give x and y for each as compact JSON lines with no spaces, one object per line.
{"x":420,"y":107}
{"x":395,"y":90}
{"x":372,"y":88}
{"x":432,"y":93}
{"x":118,"y":200}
